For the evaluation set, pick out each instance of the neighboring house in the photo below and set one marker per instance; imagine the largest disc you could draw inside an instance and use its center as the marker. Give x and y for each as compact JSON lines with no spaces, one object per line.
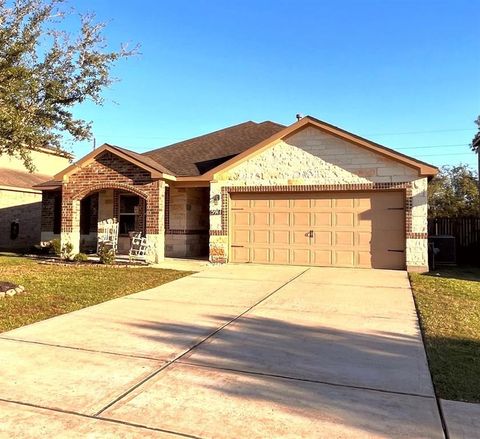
{"x":20,"y":202}
{"x":306,"y":194}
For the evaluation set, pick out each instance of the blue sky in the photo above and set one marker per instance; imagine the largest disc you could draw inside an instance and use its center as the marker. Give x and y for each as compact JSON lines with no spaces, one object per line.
{"x":402,"y":73}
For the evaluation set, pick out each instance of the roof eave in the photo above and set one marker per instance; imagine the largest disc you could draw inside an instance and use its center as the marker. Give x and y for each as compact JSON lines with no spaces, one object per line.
{"x":154,"y":173}
{"x":424,"y":169}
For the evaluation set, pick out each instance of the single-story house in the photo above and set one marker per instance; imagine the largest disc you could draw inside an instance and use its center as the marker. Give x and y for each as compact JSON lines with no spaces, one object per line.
{"x":305,"y":194}
{"x":20,"y":201}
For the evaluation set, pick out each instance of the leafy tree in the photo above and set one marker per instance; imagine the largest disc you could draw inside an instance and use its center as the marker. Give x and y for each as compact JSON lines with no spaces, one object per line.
{"x":45,"y":71}
{"x":475,"y":145}
{"x":454,"y":192}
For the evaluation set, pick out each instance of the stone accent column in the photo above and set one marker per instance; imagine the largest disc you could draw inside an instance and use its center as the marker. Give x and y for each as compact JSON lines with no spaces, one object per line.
{"x":417,"y":242}
{"x":70,"y":231}
{"x":155,"y":219}
{"x":218,"y":243}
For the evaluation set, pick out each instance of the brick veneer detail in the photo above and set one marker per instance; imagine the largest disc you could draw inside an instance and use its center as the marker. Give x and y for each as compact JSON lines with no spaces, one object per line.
{"x":110,"y":172}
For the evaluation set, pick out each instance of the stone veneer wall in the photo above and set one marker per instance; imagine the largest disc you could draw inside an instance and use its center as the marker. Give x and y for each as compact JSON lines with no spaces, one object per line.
{"x":108,"y":171}
{"x":312,"y":157}
{"x":186,"y":222}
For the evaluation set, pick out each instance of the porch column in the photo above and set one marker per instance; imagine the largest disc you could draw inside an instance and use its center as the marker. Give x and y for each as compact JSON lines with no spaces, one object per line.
{"x":70,"y":231}
{"x":155,"y":230}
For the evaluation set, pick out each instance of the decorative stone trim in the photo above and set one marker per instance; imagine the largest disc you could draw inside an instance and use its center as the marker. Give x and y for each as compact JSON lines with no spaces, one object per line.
{"x":413,"y":235}
{"x":319,"y":187}
{"x":167,"y":210}
{"x":186,"y":232}
{"x":217,"y":233}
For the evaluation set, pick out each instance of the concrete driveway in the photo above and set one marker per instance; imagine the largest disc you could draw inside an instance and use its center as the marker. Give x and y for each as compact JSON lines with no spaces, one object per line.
{"x":233,"y":351}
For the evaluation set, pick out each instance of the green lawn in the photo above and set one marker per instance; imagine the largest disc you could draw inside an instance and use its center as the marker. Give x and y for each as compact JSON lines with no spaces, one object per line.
{"x":58,"y":289}
{"x":448,"y":301}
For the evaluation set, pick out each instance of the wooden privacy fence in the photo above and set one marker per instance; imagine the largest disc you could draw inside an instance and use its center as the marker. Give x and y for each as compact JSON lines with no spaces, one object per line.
{"x":466,"y":231}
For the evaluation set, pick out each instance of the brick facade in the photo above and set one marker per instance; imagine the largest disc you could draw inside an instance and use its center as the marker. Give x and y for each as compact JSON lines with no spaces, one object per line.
{"x":108,"y":171}
{"x":48,"y":210}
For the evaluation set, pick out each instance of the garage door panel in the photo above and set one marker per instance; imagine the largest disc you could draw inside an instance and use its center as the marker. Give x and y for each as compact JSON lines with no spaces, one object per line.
{"x":261,"y":236}
{"x":280,"y":256}
{"x":321,"y":204}
{"x":240,"y":254}
{"x":260,"y":203}
{"x":301,"y":219}
{"x":322,"y":257}
{"x":241,"y":218}
{"x":344,"y":219}
{"x":299,"y":203}
{"x":241,"y":236}
{"x":280,"y":219}
{"x":242,"y":202}
{"x":363,"y":203}
{"x":300,"y":256}
{"x":364,"y":259}
{"x":280,"y":237}
{"x":260,"y":219}
{"x":260,"y":255}
{"x":394,"y":243}
{"x":320,"y":228}
{"x":280,"y":204}
{"x":344,"y":258}
{"x":300,"y":237}
{"x":321,"y":219}
{"x":322,"y":238}
{"x":363,"y":238}
{"x":344,"y":238}
{"x":344,"y":202}
{"x":387,"y":259}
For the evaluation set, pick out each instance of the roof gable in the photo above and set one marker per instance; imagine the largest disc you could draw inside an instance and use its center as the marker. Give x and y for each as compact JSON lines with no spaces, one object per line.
{"x":424,"y":169}
{"x":155,"y":169}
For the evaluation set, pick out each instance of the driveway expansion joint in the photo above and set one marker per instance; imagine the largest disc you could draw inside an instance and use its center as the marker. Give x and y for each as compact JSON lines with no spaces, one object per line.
{"x":76,"y":348}
{"x":188,"y":351}
{"x":305,"y":380}
{"x":99,"y":418}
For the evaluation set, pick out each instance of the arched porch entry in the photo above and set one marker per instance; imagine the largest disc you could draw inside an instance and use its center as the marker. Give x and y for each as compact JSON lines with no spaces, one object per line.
{"x":134,"y":209}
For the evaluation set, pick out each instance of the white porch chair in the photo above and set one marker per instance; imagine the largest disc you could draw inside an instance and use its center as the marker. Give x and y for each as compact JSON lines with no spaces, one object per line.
{"x":139,"y":247}
{"x":107,"y":234}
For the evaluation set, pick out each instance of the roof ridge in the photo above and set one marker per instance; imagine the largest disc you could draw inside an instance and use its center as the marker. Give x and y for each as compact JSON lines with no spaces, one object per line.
{"x":143,"y":158}
{"x":200,"y":136}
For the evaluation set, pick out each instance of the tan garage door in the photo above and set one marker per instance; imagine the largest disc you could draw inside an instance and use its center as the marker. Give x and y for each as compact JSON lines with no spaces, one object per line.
{"x":351,"y":229}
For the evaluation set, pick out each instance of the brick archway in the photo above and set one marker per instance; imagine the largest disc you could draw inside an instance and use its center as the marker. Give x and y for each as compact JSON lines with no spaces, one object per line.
{"x":109,"y":171}
{"x":102,"y":186}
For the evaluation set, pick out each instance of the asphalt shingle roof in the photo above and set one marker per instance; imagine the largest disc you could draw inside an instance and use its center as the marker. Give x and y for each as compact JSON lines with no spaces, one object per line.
{"x":198,"y":155}
{"x":23,"y":179}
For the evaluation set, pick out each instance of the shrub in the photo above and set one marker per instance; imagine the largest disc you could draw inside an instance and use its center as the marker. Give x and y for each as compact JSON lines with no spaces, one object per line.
{"x":67,"y":251}
{"x":106,"y":255}
{"x":55,"y":247}
{"x":80,"y":257}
